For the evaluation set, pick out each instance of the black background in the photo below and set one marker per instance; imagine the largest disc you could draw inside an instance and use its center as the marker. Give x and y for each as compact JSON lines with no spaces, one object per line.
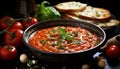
{"x":9,"y":7}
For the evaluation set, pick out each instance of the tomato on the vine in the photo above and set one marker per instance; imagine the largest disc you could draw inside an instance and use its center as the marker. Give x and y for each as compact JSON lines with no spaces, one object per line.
{"x":17,"y":25}
{"x":14,"y":37}
{"x":6,"y":22}
{"x":113,"y":51}
{"x":29,"y":21}
{"x":8,"y":52}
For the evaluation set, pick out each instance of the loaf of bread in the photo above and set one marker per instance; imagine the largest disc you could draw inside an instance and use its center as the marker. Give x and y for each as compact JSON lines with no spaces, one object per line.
{"x":70,"y":6}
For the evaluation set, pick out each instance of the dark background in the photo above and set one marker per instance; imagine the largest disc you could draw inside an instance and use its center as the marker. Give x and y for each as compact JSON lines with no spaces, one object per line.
{"x":10,"y":7}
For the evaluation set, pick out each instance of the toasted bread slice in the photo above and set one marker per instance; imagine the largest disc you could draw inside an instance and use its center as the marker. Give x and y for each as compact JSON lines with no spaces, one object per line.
{"x":75,"y":17}
{"x":70,"y":6}
{"x":93,"y":13}
{"x":110,"y":23}
{"x":70,"y":16}
{"x":105,"y":24}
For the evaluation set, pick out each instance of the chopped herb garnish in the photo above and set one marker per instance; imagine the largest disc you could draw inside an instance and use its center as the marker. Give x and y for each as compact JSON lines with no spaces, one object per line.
{"x":75,"y":34}
{"x":52,"y":38}
{"x":79,"y":5}
{"x":52,"y":44}
{"x":51,"y":34}
{"x":60,"y":47}
{"x":44,"y":41}
{"x":59,"y":41}
{"x":77,"y":42}
{"x":96,"y":43}
{"x":97,"y":14}
{"x":53,"y":31}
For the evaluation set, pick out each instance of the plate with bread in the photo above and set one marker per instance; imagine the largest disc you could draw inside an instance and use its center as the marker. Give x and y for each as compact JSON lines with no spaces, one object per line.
{"x":84,"y":12}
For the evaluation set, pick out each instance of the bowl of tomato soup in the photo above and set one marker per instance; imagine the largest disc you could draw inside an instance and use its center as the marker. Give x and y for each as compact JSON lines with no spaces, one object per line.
{"x":63,"y":40}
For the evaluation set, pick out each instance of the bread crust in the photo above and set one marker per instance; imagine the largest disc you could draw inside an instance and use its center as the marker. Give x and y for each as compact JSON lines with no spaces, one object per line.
{"x":70,"y":6}
{"x":70,"y":16}
{"x":75,"y":17}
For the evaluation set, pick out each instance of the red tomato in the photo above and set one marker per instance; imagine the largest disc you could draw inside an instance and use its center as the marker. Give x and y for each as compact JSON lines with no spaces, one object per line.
{"x":29,"y":21}
{"x":113,"y":51}
{"x":8,"y":52}
{"x":17,"y":25}
{"x":6,"y":22}
{"x":14,"y":37}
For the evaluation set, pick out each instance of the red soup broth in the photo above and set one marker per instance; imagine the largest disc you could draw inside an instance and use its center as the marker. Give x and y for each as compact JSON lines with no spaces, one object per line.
{"x":62,"y":39}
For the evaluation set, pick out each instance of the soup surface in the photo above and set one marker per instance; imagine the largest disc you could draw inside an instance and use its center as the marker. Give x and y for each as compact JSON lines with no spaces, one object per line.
{"x":61,"y":39}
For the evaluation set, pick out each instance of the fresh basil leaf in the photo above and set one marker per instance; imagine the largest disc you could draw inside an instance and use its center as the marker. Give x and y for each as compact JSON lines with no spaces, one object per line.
{"x":61,"y":30}
{"x":68,"y":37}
{"x":46,"y":12}
{"x":64,"y":35}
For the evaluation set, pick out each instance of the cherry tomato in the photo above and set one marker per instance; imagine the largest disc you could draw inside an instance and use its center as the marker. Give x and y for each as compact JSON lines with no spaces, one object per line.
{"x":17,"y":25}
{"x":8,"y":52}
{"x":6,"y":22}
{"x":29,"y":21}
{"x":113,"y":51}
{"x":14,"y":37}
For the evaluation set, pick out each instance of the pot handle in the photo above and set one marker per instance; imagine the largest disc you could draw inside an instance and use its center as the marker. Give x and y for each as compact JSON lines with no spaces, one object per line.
{"x":112,"y":41}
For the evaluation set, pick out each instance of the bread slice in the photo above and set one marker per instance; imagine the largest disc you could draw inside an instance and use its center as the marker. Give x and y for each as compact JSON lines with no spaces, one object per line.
{"x":75,"y":17}
{"x":105,"y":24}
{"x":93,"y":13}
{"x":70,"y":6}
{"x":110,"y":23}
{"x":70,"y":16}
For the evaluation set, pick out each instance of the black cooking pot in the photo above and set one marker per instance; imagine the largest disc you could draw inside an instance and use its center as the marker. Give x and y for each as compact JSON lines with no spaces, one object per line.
{"x":64,"y":57}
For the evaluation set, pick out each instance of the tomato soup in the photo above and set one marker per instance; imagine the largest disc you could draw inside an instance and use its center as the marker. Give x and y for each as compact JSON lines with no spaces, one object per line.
{"x":62,"y":39}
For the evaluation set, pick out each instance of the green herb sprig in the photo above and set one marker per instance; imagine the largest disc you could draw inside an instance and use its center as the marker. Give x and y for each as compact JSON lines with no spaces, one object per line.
{"x":64,"y":35}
